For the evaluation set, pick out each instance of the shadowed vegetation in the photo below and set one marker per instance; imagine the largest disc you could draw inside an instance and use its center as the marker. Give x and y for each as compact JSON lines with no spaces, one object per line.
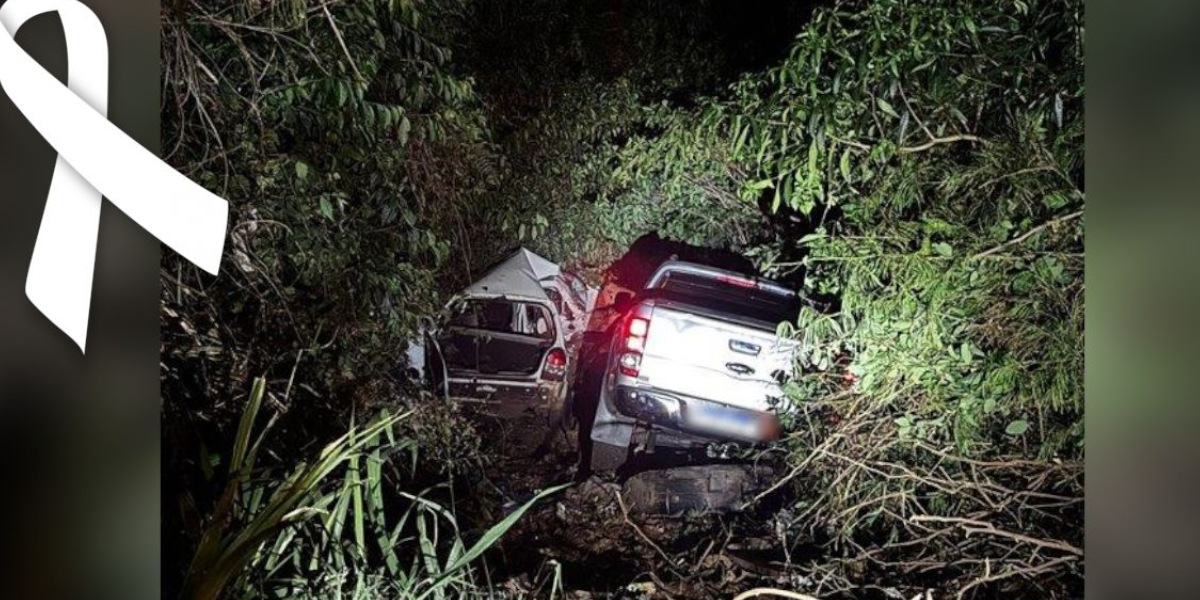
{"x":915,"y":168}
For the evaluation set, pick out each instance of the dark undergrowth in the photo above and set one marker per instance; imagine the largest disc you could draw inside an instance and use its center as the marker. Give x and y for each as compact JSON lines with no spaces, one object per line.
{"x":913,"y":167}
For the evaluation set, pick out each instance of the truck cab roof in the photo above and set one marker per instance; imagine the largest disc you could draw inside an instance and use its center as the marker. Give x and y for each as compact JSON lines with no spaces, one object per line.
{"x":723,"y":275}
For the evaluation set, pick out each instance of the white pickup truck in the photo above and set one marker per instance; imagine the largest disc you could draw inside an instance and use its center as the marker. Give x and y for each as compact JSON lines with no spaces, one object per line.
{"x":694,"y":359}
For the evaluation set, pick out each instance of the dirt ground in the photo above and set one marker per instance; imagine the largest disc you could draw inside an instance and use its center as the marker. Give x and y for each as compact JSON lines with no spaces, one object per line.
{"x":620,"y":537}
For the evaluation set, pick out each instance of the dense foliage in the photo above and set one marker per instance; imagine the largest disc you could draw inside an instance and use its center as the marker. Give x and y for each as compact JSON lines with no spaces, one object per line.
{"x":576,"y":90}
{"x":916,"y":166}
{"x":356,"y":159}
{"x":935,"y":152}
{"x":923,"y":163}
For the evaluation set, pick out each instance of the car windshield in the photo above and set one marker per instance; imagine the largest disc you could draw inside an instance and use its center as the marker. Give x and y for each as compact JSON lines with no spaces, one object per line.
{"x":504,"y":316}
{"x":711,"y":293}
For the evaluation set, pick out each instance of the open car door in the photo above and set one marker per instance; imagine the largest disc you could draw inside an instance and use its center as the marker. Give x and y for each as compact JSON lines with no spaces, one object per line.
{"x":458,"y":340}
{"x":497,"y":338}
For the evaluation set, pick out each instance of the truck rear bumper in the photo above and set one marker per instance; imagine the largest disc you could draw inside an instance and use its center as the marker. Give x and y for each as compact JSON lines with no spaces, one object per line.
{"x":698,"y":419}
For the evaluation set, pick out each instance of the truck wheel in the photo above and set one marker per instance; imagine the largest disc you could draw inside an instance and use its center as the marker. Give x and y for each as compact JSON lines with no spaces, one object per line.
{"x":607,"y":458}
{"x":570,"y":420}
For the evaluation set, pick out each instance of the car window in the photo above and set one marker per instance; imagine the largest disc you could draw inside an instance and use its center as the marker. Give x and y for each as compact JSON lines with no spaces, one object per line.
{"x":496,"y":315}
{"x":464,"y":314}
{"x":537,"y":322}
{"x":504,"y":316}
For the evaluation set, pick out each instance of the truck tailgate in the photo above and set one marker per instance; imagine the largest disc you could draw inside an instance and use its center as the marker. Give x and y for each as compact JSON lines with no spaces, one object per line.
{"x":707,"y":358}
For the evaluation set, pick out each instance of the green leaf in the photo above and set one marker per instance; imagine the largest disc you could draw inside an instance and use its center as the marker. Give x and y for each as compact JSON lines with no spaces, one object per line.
{"x":1018,"y":427}
{"x":491,"y":536}
{"x":845,"y":165}
{"x":343,"y":93}
{"x":811,"y":237}
{"x":326,"y":208}
{"x":404,"y":129}
{"x":943,"y":249}
{"x":1055,"y":201}
{"x":887,"y":107}
{"x":301,"y":170}
{"x":356,"y":491}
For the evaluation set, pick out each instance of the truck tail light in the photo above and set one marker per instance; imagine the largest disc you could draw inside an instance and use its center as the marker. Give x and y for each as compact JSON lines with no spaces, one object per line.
{"x":556,"y":365}
{"x":630,"y":362}
{"x":637,"y":330}
{"x":639,"y":327}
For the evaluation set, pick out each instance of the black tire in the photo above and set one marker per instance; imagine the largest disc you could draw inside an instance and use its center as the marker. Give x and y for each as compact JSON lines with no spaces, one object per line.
{"x":570,"y":420}
{"x":607,"y":458}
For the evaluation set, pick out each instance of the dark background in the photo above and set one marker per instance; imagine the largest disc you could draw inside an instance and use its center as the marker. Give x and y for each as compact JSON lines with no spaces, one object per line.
{"x":79,"y":511}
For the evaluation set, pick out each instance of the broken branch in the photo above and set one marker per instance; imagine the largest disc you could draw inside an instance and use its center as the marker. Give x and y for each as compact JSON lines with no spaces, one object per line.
{"x":1028,"y":234}
{"x":754,"y":593}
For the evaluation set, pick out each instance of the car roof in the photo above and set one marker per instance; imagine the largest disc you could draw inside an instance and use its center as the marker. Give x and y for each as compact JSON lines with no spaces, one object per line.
{"x":516,"y":277}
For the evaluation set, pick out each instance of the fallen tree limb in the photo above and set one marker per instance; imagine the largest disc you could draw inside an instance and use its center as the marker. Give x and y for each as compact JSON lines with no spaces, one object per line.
{"x":1028,"y":234}
{"x":988,"y":577}
{"x":756,"y":592}
{"x":975,"y":526}
{"x":964,"y":137}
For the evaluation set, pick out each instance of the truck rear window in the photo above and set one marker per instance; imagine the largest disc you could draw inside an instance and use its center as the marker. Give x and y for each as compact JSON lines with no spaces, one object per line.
{"x":720,"y":298}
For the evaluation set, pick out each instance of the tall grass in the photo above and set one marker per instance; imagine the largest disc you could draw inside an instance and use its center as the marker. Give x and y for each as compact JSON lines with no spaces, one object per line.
{"x":311,"y":535}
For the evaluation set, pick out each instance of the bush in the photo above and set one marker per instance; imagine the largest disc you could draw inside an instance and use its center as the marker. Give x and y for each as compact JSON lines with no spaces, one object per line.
{"x":925,"y":160}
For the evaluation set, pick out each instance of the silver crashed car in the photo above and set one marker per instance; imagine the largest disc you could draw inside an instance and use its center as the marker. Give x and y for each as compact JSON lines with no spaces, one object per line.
{"x":508,"y":339}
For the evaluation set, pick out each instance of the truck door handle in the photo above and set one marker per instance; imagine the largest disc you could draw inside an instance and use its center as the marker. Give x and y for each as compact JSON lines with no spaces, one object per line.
{"x":739,"y":368}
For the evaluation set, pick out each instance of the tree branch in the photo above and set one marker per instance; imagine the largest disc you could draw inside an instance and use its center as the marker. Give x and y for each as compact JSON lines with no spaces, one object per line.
{"x":962,"y":137}
{"x":342,"y":42}
{"x":975,"y":526}
{"x":756,"y":592}
{"x":1028,"y":234}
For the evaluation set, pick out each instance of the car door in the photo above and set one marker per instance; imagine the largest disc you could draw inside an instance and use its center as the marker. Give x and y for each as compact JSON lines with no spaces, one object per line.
{"x":514,"y":339}
{"x":497,"y":338}
{"x":459,"y":339}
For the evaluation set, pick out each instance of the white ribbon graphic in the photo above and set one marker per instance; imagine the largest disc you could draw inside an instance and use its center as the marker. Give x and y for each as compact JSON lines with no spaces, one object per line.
{"x":95,"y":159}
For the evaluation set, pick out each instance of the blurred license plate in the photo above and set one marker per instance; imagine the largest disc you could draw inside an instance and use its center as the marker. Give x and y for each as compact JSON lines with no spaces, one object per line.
{"x":718,"y":418}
